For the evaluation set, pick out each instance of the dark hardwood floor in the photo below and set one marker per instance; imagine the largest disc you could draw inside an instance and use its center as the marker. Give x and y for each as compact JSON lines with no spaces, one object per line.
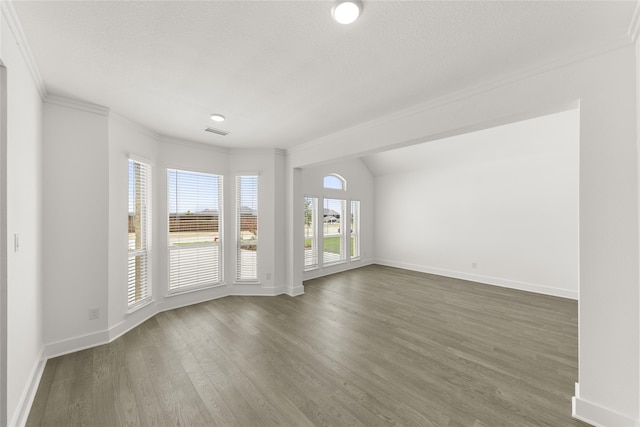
{"x":376,"y":346}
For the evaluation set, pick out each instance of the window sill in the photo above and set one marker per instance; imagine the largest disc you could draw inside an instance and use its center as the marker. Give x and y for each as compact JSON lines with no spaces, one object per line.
{"x":190,"y":289}
{"x":139,"y":306}
{"x":330,"y":264}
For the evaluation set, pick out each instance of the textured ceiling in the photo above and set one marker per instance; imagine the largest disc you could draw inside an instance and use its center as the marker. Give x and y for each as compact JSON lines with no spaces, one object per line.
{"x":282,"y":71}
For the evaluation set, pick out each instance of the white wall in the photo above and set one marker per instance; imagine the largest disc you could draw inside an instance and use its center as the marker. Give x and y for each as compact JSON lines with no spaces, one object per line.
{"x":86,"y":154}
{"x":638,"y":155}
{"x":76,"y":221}
{"x":193,"y":157}
{"x":24,"y":217}
{"x":605,"y":85}
{"x":280,"y":224}
{"x":3,"y":240}
{"x":125,"y":138}
{"x":263,"y":163}
{"x":360,"y":186}
{"x":504,"y":198}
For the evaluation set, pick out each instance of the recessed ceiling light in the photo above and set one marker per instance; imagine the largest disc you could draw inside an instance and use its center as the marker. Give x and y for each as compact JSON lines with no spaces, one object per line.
{"x":346,"y":11}
{"x":217,"y":117}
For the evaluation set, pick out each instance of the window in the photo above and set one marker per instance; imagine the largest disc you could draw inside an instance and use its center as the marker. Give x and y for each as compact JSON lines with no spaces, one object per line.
{"x":195,"y":229}
{"x":355,"y":229}
{"x":247,"y":227}
{"x":331,"y":226}
{"x":310,"y":240}
{"x":139,"y":226}
{"x":333,"y":230}
{"x":335,"y":181}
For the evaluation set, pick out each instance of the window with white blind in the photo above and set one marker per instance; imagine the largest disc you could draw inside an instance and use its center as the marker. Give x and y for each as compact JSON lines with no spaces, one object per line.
{"x":355,"y":229}
{"x":333,"y":231}
{"x":247,"y":227}
{"x":139,"y":227}
{"x":310,"y":232}
{"x":195,"y":229}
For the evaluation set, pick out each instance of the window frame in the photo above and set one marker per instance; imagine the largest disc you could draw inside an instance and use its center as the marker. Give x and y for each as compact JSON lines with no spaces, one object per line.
{"x":341,"y":232}
{"x":240,"y":243}
{"x":340,"y":178}
{"x":144,"y":253}
{"x":313,"y":227}
{"x":354,"y":237}
{"x":218,"y":242}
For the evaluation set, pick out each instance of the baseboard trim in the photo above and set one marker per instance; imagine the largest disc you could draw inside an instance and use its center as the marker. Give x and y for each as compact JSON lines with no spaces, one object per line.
{"x":255,"y":290}
{"x":71,"y":345}
{"x":83,"y":342}
{"x":135,"y":319}
{"x":597,"y":415}
{"x":29,"y":393}
{"x":294,"y":291}
{"x":336,"y":268}
{"x":505,"y":283}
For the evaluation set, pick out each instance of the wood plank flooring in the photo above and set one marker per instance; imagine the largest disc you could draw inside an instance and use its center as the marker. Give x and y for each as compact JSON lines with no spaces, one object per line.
{"x":376,"y":346}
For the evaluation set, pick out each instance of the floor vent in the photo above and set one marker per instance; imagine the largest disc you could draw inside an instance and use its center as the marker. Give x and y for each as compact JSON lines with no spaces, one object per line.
{"x":216,"y":131}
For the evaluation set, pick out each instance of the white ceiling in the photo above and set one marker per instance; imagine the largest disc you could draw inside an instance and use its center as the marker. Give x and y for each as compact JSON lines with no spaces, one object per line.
{"x":283,"y":72}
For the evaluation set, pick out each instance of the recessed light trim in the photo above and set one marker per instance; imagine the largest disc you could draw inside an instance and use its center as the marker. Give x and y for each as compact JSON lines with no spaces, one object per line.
{"x":346,"y":11}
{"x":217,"y":117}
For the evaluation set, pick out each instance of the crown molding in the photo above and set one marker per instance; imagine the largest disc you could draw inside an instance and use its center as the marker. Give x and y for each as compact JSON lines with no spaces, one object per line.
{"x":468,"y":92}
{"x":11,"y":17}
{"x":76,"y":104}
{"x":634,"y":26}
{"x":280,"y":152}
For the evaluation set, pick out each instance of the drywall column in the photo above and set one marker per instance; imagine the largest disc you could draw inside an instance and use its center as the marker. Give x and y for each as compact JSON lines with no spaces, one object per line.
{"x":76,"y":224}
{"x":636,"y":31}
{"x":3,"y":243}
{"x":295,"y":241}
{"x":638,"y":166}
{"x":280,"y":223}
{"x":609,"y":354}
{"x":24,"y":213}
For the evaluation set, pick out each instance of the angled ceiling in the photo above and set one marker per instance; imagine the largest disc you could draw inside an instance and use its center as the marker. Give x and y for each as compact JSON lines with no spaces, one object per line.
{"x":283,"y":72}
{"x":533,"y":138}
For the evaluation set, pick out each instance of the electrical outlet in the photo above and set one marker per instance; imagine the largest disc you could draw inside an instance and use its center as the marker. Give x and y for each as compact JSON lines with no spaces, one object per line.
{"x":268,"y":276}
{"x":94,"y":313}
{"x":474,"y":265}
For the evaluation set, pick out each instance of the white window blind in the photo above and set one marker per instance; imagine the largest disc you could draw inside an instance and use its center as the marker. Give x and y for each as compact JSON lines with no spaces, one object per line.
{"x":247,"y":227}
{"x":333,"y":231}
{"x":310,"y":233}
{"x":195,"y":229}
{"x":139,"y":226}
{"x":355,"y":229}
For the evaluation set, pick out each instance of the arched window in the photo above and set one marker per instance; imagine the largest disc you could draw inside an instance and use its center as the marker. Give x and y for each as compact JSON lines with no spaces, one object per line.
{"x":335,"y":181}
